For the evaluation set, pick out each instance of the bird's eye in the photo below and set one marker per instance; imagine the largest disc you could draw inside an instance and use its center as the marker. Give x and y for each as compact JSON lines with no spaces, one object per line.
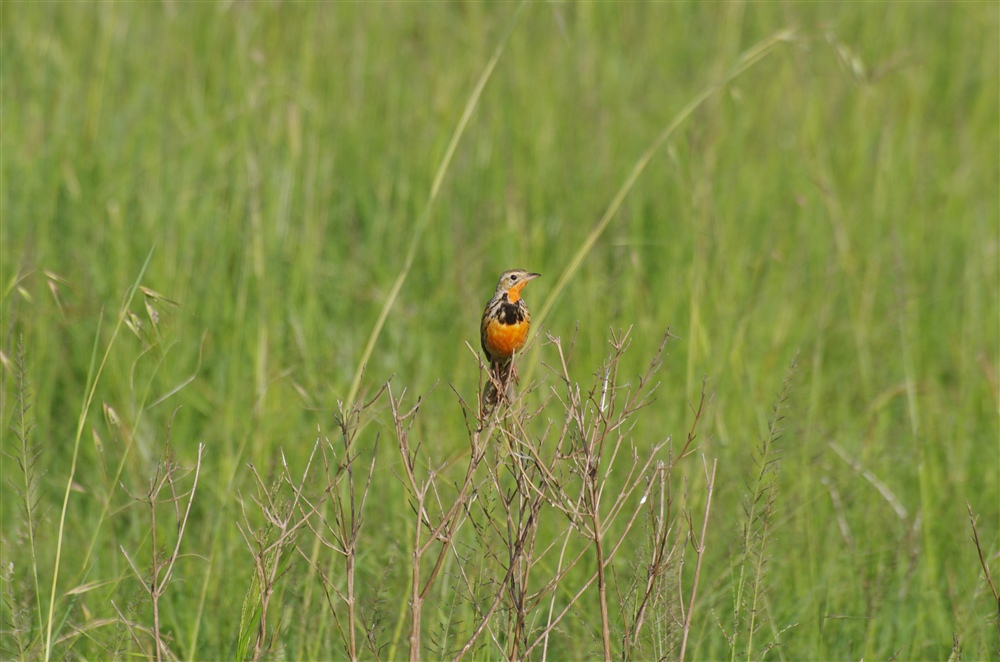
{"x":513,"y":277}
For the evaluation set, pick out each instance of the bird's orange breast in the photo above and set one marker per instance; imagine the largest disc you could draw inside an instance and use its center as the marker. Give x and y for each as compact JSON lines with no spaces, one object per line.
{"x":502,"y":340}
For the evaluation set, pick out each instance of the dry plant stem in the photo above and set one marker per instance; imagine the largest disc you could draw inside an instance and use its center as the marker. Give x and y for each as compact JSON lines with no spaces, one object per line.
{"x":579,"y":594}
{"x":162,"y":569}
{"x":344,"y":531}
{"x":286,"y":520}
{"x":550,"y":624}
{"x":521,"y":514}
{"x":602,"y":585}
{"x":129,"y":625}
{"x":349,"y":421}
{"x":574,"y":398}
{"x":351,"y":547}
{"x":660,"y":558}
{"x":595,"y":487}
{"x":656,"y":565}
{"x":521,"y":510}
{"x":700,"y":552}
{"x":571,"y":477}
{"x":982,"y":562}
{"x":484,"y":622}
{"x":593,"y":430}
{"x":448,"y":521}
{"x":348,"y":524}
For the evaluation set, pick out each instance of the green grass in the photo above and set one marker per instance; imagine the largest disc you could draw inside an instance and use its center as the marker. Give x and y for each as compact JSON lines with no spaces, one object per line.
{"x":838,"y":199}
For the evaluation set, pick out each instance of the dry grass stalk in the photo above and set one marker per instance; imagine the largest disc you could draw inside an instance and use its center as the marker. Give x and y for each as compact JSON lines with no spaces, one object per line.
{"x":340,"y":531}
{"x":440,"y":521}
{"x":986,"y":568}
{"x":549,"y":514}
{"x":165,"y":477}
{"x":284,"y":517}
{"x":587,"y":473}
{"x":700,"y":552}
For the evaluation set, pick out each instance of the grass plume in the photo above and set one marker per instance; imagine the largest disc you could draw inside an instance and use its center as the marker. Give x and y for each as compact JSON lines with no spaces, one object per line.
{"x":25,"y":452}
{"x":759,"y":506}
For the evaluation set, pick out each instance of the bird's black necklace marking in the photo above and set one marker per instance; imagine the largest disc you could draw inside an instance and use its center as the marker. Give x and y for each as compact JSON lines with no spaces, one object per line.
{"x":510,"y":313}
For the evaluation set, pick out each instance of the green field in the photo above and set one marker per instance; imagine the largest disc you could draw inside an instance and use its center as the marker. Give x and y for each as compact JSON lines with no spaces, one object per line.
{"x":804,"y":194}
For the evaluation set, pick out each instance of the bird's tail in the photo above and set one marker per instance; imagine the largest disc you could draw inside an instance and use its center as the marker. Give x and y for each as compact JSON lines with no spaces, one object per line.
{"x":499,"y":386}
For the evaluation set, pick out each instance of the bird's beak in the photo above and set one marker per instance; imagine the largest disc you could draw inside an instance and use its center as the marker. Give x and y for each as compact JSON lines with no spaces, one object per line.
{"x":514,"y":293}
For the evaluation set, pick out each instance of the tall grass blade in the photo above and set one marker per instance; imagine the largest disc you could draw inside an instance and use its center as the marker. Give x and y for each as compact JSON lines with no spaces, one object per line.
{"x":418,"y":232}
{"x":92,"y":379}
{"x":749,"y":58}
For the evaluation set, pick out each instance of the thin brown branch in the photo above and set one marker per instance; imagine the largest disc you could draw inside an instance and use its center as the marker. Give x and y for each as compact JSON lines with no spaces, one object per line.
{"x":983,"y":563}
{"x":700,"y":552}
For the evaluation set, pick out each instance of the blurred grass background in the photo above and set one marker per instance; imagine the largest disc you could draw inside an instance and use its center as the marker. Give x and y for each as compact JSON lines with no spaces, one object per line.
{"x":839,"y":199}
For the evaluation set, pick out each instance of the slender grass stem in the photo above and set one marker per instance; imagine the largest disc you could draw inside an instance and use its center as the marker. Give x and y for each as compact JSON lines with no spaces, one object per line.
{"x":92,"y":379}
{"x":411,"y":252}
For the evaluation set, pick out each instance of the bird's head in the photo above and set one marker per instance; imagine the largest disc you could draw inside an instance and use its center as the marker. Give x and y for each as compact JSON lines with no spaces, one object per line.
{"x":512,"y":281}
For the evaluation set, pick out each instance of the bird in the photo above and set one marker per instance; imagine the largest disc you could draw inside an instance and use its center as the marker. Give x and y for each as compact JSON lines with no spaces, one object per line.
{"x":503,"y":332}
